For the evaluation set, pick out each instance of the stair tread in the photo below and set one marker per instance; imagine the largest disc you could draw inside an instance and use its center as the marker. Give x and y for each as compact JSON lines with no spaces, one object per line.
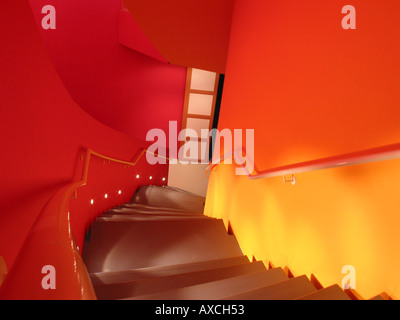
{"x":142,"y":206}
{"x":119,"y":245}
{"x":147,"y":208}
{"x":169,"y":282}
{"x":216,"y":290}
{"x":142,"y":273}
{"x":167,"y":197}
{"x":166,"y":190}
{"x":333,"y":292}
{"x":183,"y":191}
{"x":285,"y":290}
{"x":129,"y":211}
{"x":147,"y":217}
{"x":382,"y":296}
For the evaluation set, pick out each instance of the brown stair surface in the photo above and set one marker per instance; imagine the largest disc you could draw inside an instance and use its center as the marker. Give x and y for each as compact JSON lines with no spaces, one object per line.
{"x":103,"y":278}
{"x":285,"y":290}
{"x":168,"y":197}
{"x":128,"y":211}
{"x":329,"y":293}
{"x":145,"y":217}
{"x":148,"y":208}
{"x":139,"y":287}
{"x":122,"y":245}
{"x":217,"y":290}
{"x":382,"y":296}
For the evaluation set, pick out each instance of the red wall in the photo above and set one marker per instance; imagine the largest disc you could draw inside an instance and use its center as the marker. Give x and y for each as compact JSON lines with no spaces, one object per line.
{"x":309,"y":88}
{"x":43,"y":133}
{"x":116,"y":85}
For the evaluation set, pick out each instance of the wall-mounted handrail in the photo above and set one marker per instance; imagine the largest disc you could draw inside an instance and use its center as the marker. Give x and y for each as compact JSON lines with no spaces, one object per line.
{"x":50,"y":241}
{"x":133,"y":163}
{"x":389,"y":152}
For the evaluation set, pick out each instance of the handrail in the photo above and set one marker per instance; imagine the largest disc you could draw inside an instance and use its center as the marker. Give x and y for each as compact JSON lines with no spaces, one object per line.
{"x":389,"y":152}
{"x":90,"y":153}
{"x":50,"y":241}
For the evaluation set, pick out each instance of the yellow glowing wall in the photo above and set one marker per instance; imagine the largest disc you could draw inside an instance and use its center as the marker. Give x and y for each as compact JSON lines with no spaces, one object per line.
{"x":329,"y":219}
{"x":311,"y":89}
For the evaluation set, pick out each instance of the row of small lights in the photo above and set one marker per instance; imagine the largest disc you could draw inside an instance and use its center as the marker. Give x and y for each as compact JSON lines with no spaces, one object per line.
{"x":120,"y":191}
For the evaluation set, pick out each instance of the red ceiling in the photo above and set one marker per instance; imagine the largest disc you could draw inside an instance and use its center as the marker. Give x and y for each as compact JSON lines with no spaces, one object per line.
{"x":187,"y":32}
{"x":131,"y":36}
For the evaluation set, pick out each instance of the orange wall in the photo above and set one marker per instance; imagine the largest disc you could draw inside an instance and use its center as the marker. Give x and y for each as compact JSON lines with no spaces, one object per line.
{"x":329,"y":219}
{"x":311,"y":90}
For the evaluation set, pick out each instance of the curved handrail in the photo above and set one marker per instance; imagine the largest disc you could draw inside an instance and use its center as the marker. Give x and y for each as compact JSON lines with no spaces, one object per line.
{"x":51,"y":242}
{"x":389,"y":152}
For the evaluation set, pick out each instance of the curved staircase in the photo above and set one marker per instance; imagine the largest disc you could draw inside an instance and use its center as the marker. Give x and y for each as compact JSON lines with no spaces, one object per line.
{"x":160,"y":246}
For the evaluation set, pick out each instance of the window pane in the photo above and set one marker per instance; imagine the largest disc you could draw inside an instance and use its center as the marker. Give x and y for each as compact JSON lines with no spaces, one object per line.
{"x":203,"y":80}
{"x":200,"y":104}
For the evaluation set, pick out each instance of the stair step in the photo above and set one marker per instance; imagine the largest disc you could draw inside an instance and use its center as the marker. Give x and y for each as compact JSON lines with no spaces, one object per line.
{"x":129,"y":211}
{"x":144,"y":217}
{"x":159,"y":284}
{"x":216,"y":290}
{"x":382,"y":296}
{"x":120,"y":245}
{"x":286,"y":290}
{"x":143,"y":273}
{"x":333,"y":292}
{"x":182,"y":191}
{"x":168,"y":197}
{"x":144,"y":207}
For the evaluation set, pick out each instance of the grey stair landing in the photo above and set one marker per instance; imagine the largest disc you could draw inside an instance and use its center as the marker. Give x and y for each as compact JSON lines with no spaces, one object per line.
{"x":160,"y":246}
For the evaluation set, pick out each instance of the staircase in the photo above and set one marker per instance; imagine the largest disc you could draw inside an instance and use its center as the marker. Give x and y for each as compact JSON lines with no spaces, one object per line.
{"x":160,"y":246}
